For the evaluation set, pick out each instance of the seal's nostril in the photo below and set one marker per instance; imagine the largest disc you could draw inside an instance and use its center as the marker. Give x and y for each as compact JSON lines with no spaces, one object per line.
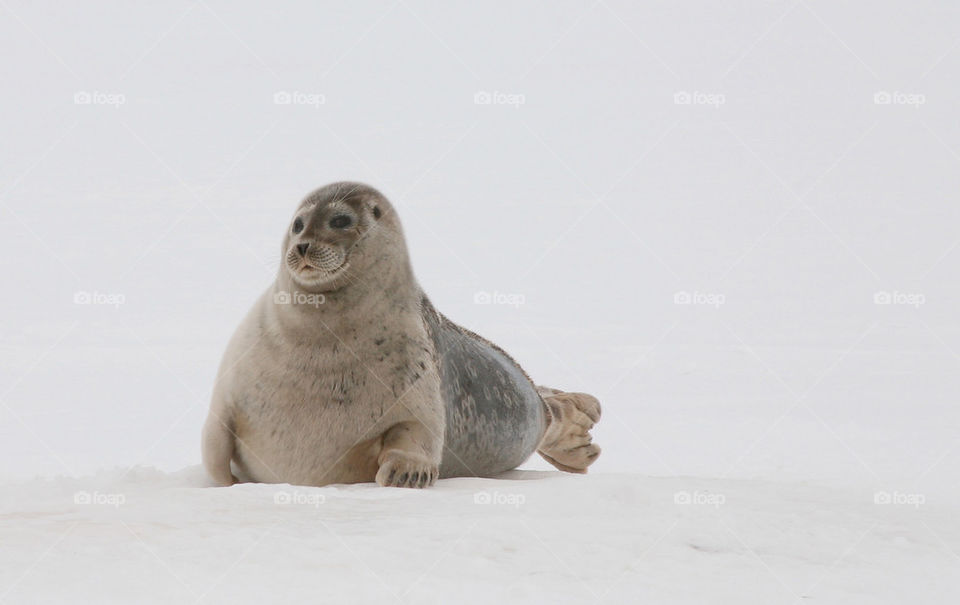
{"x":302,"y":248}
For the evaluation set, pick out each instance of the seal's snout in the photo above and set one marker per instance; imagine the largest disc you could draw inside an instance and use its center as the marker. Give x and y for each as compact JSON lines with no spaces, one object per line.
{"x":302,"y":249}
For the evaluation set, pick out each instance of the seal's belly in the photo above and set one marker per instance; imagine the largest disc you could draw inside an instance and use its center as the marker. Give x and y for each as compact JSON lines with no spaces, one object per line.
{"x":316,"y":431}
{"x":313,"y":462}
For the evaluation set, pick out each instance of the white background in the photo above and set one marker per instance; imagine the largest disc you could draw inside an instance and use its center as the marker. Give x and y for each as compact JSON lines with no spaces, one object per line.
{"x":588,"y":189}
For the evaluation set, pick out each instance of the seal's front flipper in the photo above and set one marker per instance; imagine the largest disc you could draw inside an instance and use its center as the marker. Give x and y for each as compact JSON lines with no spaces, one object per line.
{"x":567,"y":443}
{"x":218,"y":446}
{"x":408,"y":457}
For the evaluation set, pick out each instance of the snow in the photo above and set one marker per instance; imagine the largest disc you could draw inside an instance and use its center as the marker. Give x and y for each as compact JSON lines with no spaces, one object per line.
{"x":531,"y":536}
{"x":804,"y":401}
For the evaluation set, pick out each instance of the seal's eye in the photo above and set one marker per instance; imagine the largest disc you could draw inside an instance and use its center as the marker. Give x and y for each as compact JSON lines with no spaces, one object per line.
{"x":297,"y":225}
{"x":341,"y":221}
{"x":376,"y":212}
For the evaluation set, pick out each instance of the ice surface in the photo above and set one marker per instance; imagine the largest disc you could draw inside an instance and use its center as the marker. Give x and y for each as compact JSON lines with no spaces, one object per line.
{"x":148,"y":537}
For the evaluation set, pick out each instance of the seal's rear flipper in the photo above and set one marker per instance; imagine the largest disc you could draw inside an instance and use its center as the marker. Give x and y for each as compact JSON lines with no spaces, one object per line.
{"x":567,"y":443}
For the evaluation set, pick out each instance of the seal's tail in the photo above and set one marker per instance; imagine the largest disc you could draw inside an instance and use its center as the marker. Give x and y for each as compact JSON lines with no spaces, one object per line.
{"x":567,"y":443}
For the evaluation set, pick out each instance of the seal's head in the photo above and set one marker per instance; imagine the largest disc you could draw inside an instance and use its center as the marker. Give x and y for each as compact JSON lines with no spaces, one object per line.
{"x":333,"y":235}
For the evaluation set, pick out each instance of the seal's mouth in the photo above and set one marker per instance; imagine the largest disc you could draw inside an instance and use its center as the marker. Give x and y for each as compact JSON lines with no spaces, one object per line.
{"x":312,"y":276}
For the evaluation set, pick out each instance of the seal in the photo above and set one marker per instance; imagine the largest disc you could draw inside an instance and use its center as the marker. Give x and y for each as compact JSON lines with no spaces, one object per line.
{"x":343,"y":371}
